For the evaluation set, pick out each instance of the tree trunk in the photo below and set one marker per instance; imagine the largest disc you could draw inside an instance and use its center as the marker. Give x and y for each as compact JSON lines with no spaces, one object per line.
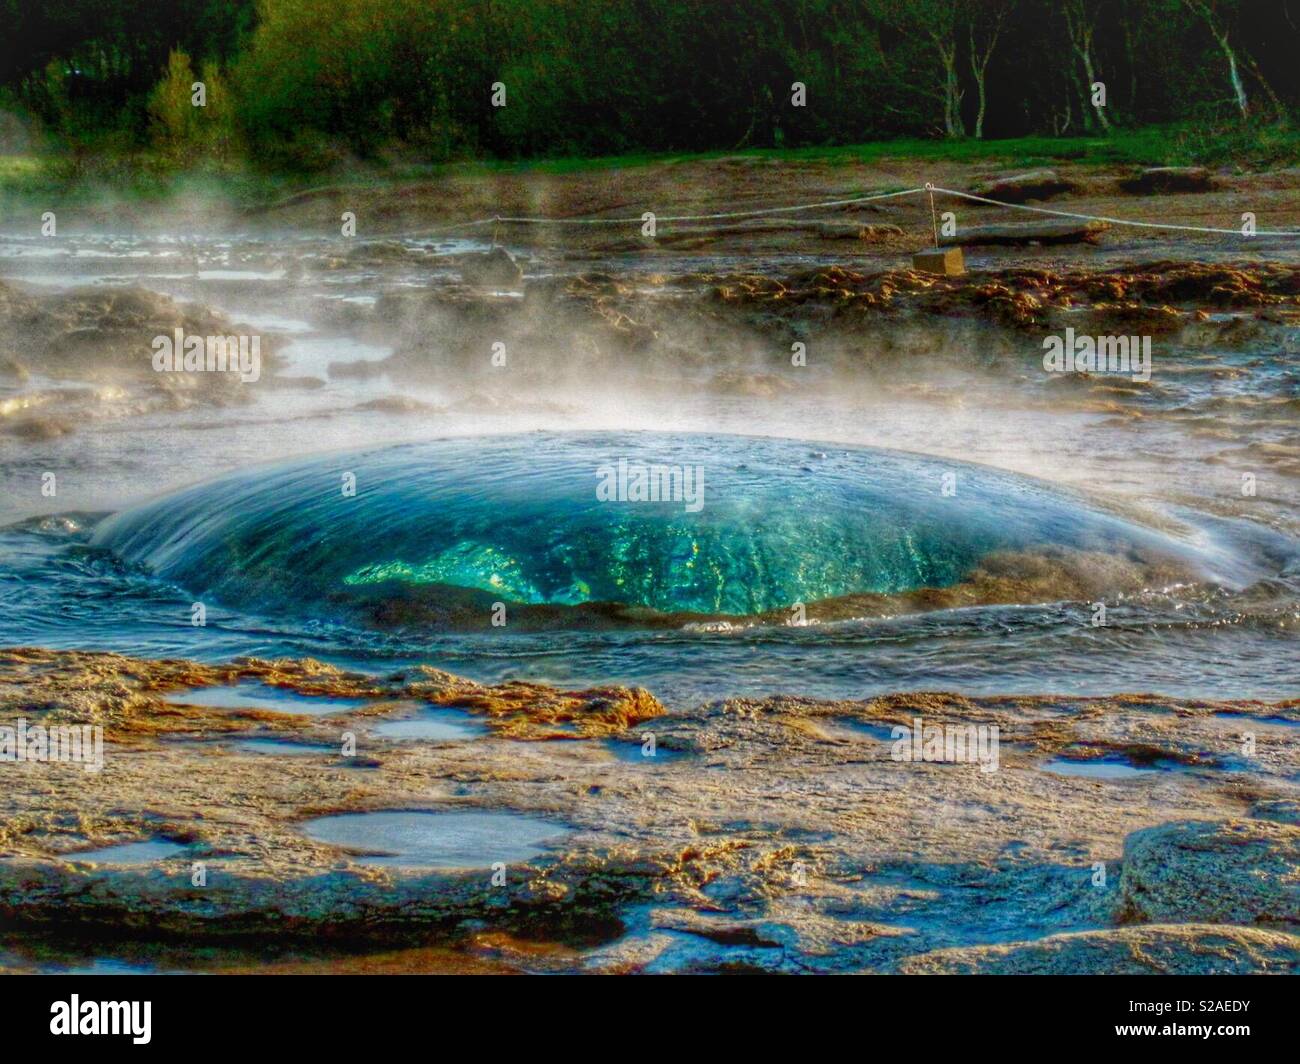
{"x":1279,"y":109}
{"x":952,"y":95}
{"x":1080,"y":31}
{"x":1238,"y":89}
{"x":979,"y":65}
{"x":1086,"y":55}
{"x":945,"y":46}
{"x":1130,"y":53}
{"x":1081,"y":98}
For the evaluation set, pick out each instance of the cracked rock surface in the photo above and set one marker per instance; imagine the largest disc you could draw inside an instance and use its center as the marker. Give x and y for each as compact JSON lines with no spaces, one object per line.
{"x":776,"y":834}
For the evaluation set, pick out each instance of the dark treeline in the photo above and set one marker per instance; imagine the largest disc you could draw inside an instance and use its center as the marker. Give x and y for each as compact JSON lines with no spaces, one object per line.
{"x":305,"y":80}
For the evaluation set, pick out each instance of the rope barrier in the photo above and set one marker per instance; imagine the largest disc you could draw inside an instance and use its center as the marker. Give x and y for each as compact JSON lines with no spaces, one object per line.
{"x":929,"y":189}
{"x":758,"y":213}
{"x":1114,"y":221}
{"x":722,"y":215}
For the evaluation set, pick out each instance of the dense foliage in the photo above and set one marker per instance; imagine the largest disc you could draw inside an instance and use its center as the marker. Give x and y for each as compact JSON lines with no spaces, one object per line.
{"x":310,"y":80}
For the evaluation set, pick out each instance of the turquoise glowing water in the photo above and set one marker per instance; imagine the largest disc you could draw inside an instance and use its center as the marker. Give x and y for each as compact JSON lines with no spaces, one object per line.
{"x":282,"y":748}
{"x":519,"y":519}
{"x":273,"y":572}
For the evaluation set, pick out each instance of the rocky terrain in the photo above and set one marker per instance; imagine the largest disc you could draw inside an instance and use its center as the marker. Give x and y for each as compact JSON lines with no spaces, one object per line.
{"x":718,"y":306}
{"x":1128,"y":833}
{"x":732,"y":333}
{"x":93,"y":349}
{"x":775,"y":835}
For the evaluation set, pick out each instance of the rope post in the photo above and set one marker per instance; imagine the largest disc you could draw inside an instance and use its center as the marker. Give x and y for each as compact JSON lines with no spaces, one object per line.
{"x":946,"y":262}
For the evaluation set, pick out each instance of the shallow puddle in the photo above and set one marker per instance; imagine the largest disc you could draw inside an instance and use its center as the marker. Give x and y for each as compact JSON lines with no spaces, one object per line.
{"x":635,"y":753}
{"x":130,"y":853}
{"x":436,"y":840}
{"x":262,"y":696}
{"x":1245,"y":721}
{"x":883,"y":732}
{"x":1104,"y":768}
{"x":480,"y":953}
{"x":438,"y":723}
{"x":282,"y":747}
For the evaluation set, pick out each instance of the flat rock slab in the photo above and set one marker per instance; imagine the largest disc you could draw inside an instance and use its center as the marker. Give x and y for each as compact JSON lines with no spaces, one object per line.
{"x":775,"y":834}
{"x":1236,"y":871}
{"x":1019,"y":188}
{"x":1176,"y":949}
{"x":1283,"y":810}
{"x":1161,"y":179}
{"x":1062,"y":232}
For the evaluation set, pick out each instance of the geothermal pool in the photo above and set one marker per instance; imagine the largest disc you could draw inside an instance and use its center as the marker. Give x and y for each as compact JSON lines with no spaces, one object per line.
{"x":834,"y":500}
{"x":462,"y":839}
{"x":763,"y":524}
{"x":443,"y":536}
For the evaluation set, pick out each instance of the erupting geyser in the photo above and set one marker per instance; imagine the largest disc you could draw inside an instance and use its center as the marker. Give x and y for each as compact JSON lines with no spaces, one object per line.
{"x":716,"y":525}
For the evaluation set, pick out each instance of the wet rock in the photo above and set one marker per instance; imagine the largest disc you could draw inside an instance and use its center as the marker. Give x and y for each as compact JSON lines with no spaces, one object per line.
{"x":360,"y":369}
{"x":751,"y":385}
{"x":105,"y":337}
{"x":1018,"y":188}
{"x":12,"y":368}
{"x":1165,"y":179}
{"x":1176,"y":949}
{"x":300,"y":384}
{"x":36,"y":428}
{"x":1236,"y":871}
{"x":699,"y":236}
{"x":784,"y":840}
{"x":1281,"y":810}
{"x":492,"y":269}
{"x":518,"y":709}
{"x":398,"y":404}
{"x":832,"y":231}
{"x":382,"y":252}
{"x":584,"y":329}
{"x":1062,"y":232}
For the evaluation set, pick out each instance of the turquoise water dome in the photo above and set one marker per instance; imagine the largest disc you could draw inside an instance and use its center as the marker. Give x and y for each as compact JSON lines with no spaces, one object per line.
{"x":738,"y":525}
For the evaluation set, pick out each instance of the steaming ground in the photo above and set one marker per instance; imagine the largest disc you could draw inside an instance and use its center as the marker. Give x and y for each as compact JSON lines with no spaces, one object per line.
{"x":378,"y":342}
{"x":375,"y":340}
{"x":1210,"y":414}
{"x":366,"y":354}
